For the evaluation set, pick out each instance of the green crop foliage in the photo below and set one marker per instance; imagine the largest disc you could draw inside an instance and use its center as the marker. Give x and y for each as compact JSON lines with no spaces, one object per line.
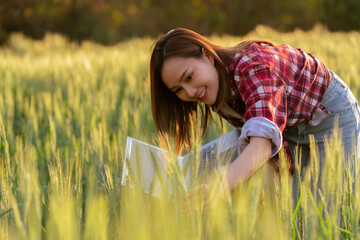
{"x":65,"y":112}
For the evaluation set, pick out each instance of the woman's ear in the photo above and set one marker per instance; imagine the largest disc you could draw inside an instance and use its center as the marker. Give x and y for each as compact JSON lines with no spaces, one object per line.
{"x":208,"y":55}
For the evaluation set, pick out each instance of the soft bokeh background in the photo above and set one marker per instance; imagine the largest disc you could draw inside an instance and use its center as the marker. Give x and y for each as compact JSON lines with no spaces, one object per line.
{"x":108,"y":21}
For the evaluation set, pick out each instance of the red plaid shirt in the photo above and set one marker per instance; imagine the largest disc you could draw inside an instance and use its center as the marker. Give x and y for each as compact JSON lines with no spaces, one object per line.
{"x":283,"y":84}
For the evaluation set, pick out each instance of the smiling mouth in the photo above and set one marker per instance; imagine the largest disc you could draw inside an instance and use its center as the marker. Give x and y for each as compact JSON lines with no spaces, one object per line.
{"x":202,"y":94}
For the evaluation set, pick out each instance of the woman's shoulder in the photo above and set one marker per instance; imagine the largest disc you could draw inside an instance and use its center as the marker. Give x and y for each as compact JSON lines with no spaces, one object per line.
{"x":258,"y":53}
{"x":255,"y":54}
{"x":259,"y":49}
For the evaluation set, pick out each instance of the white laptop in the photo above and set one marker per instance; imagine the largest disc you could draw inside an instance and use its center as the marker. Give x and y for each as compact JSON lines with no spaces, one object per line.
{"x":146,"y":164}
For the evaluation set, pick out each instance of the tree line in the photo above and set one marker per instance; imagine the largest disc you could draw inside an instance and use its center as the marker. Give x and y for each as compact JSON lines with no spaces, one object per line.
{"x":109,"y":21}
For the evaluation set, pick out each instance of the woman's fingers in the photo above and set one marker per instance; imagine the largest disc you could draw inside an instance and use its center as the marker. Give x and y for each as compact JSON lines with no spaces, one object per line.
{"x":188,"y":200}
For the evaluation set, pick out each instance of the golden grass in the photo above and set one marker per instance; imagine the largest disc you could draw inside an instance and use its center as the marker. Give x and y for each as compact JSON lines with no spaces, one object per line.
{"x":65,"y":112}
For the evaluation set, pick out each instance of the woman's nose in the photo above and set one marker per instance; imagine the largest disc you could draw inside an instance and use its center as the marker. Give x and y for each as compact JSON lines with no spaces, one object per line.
{"x":190,"y":91}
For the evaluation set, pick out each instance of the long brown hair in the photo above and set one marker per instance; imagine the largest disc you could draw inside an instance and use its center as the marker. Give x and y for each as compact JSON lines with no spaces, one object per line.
{"x":173,"y":116}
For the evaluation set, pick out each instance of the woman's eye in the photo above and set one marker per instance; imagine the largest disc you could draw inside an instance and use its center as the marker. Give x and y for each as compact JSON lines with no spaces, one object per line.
{"x":177,"y":90}
{"x":189,"y":77}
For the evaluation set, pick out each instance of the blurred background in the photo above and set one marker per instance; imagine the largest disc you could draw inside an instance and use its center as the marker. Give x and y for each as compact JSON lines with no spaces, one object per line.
{"x":110,"y":21}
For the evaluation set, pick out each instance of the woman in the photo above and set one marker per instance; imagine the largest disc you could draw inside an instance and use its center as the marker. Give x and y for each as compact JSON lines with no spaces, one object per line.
{"x":277,"y":95}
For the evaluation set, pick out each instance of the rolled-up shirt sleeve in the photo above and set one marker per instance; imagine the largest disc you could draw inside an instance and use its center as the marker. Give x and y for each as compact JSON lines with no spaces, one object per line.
{"x":264,"y":94}
{"x":261,"y":127}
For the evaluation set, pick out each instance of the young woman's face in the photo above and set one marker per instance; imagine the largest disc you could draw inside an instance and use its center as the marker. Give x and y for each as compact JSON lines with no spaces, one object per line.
{"x":192,"y":79}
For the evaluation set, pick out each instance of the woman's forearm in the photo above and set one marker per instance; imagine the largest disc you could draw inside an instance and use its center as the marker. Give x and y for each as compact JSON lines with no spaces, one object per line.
{"x":253,"y":156}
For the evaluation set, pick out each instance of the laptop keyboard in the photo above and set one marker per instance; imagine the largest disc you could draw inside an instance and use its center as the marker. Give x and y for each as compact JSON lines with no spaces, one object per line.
{"x":208,"y":160}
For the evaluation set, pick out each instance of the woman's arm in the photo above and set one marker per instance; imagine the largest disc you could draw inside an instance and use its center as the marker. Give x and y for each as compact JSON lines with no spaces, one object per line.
{"x":253,"y":156}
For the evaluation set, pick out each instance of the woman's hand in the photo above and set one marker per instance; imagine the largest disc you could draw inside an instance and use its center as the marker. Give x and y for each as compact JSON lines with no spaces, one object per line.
{"x":197,"y":195}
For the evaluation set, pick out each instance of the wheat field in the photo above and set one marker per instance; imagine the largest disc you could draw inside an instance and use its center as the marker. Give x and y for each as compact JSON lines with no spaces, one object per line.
{"x":65,"y":112}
